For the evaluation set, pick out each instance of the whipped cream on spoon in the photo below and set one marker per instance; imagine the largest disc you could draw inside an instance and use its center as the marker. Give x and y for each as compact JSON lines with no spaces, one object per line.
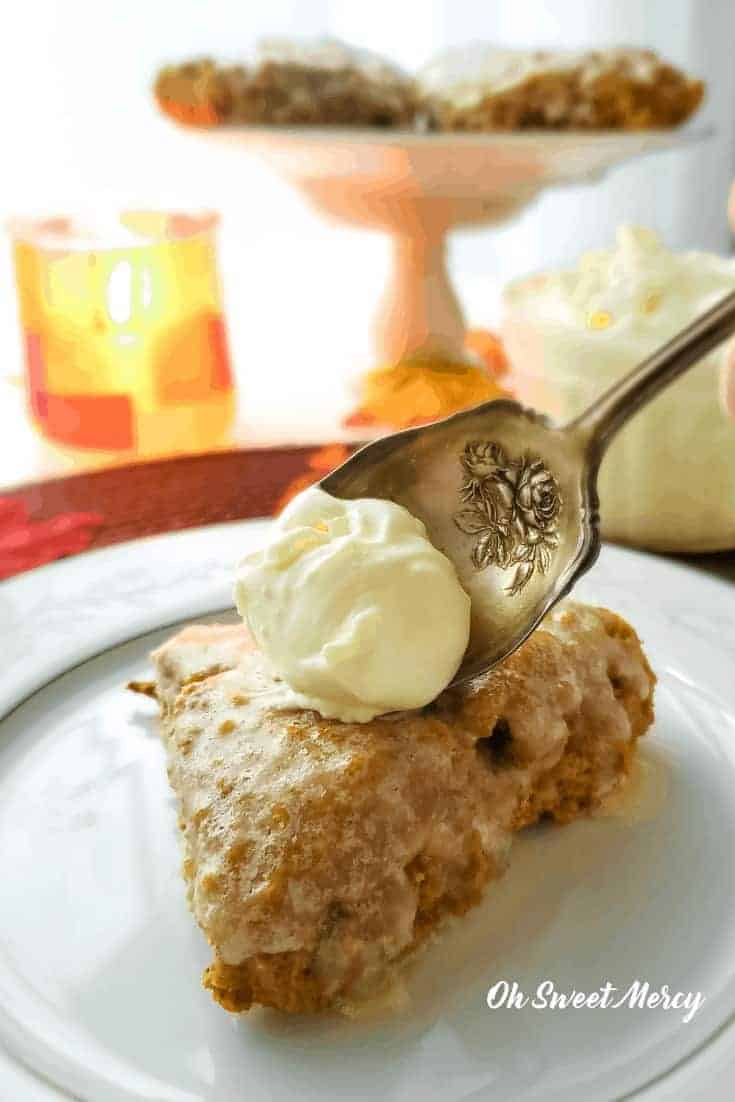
{"x":358,"y":613}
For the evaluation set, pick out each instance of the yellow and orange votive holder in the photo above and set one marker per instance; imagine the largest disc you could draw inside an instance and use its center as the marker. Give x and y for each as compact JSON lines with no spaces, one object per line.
{"x":123,"y":331}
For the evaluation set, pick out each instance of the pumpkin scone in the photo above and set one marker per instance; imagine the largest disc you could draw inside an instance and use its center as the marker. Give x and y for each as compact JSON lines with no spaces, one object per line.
{"x":481,"y":86}
{"x":319,"y":853}
{"x":289,"y":82}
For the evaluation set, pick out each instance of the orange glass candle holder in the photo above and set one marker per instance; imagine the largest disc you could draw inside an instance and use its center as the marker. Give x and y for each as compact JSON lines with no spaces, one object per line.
{"x":124,"y":336}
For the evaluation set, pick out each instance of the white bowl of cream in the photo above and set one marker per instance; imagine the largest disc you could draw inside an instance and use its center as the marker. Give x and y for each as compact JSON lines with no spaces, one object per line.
{"x":668,"y":482}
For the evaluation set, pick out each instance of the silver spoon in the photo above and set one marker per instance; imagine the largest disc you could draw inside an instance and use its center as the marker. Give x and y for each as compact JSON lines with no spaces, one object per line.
{"x":510,"y":497}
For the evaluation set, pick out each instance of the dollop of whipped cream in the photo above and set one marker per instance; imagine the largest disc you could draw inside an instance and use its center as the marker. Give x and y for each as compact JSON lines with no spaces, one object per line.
{"x":354,"y":607}
{"x":638,"y":289}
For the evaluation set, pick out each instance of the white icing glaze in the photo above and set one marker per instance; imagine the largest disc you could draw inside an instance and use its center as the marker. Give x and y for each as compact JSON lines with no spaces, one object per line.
{"x":464,"y":75}
{"x":328,"y":54}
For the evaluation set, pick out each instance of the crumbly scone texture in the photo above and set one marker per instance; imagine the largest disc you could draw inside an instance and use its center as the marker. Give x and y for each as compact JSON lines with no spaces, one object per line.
{"x":283,"y":93}
{"x":318,"y":853}
{"x":619,"y":89}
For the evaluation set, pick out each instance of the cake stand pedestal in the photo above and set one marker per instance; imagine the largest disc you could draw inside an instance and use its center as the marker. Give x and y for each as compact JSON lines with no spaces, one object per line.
{"x":417,"y":187}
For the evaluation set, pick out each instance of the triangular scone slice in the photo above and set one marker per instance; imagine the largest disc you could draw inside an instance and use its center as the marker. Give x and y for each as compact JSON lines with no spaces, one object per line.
{"x":319,"y":853}
{"x":485,"y":87}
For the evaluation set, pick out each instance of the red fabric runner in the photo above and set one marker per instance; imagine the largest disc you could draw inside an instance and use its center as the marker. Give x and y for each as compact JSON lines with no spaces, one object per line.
{"x":62,"y":516}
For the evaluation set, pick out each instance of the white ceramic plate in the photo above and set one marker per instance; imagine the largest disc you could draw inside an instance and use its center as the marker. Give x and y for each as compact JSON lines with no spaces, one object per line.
{"x":100,"y":960}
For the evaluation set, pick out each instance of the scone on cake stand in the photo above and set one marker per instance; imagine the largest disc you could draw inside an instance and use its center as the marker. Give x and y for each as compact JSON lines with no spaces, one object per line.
{"x":418,"y":187}
{"x":471,"y":139}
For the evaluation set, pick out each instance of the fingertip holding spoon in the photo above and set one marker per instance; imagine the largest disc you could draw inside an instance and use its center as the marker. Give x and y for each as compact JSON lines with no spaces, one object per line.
{"x":511,"y":497}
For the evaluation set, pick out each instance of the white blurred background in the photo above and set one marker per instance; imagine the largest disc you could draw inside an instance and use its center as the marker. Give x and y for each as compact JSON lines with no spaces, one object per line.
{"x":81,"y":130}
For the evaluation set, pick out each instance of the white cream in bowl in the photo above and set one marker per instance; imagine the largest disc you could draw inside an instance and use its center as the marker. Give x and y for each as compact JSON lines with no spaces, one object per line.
{"x":668,"y":481}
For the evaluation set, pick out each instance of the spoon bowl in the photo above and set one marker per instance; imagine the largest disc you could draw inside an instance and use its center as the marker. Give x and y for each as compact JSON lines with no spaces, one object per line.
{"x":506,"y":495}
{"x":511,"y":497}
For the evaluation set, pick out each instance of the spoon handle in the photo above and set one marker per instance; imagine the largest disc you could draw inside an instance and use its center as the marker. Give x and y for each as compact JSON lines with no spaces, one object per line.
{"x":609,"y":413}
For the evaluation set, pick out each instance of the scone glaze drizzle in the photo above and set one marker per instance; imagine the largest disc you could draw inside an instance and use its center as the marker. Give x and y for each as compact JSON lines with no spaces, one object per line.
{"x":465,"y":74}
{"x":354,"y":607}
{"x":328,"y":54}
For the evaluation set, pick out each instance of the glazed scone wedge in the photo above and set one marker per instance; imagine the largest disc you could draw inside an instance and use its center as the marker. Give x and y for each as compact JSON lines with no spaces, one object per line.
{"x":289,"y":82}
{"x":319,"y":853}
{"x":485,"y":87}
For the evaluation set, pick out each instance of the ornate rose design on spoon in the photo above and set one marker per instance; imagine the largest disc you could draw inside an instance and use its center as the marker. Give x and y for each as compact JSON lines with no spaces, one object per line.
{"x":512,"y":508}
